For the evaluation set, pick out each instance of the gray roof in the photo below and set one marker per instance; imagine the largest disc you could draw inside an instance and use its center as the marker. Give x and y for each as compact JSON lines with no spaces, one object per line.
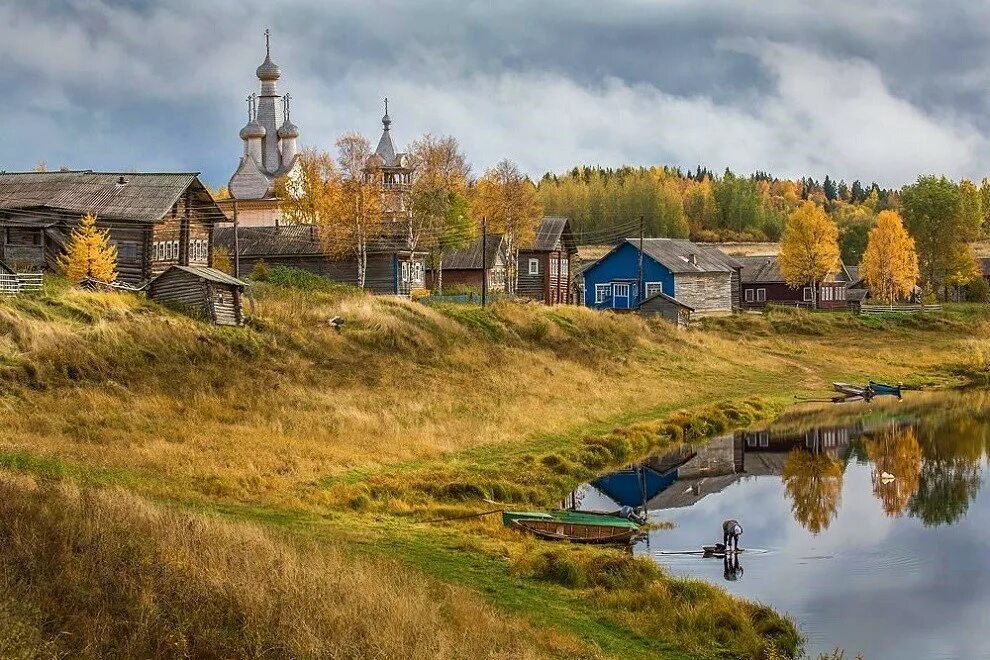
{"x":211,"y":274}
{"x":682,"y":256}
{"x":143,"y":197}
{"x":671,"y":299}
{"x":5,"y":269}
{"x":552,"y":230}
{"x":385,"y":147}
{"x":757,"y":270}
{"x":295,"y":240}
{"x":470,"y":257}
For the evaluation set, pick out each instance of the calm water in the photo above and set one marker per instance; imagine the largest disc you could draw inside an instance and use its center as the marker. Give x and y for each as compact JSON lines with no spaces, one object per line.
{"x":868,"y":521}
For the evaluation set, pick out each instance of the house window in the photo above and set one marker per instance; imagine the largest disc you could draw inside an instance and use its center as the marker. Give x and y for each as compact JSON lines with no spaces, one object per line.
{"x":750,"y":297}
{"x":620,"y":290}
{"x":601,"y":292}
{"x":127,"y":250}
{"x":564,"y":266}
{"x":534,"y":266}
{"x":168,"y":250}
{"x":807,"y":294}
{"x":761,"y":295}
{"x":405,"y":271}
{"x":653,"y":288}
{"x":553,"y":268}
{"x":418,"y":271}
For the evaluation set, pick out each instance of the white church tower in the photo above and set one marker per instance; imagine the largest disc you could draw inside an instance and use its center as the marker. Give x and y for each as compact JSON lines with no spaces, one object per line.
{"x":269,"y":150}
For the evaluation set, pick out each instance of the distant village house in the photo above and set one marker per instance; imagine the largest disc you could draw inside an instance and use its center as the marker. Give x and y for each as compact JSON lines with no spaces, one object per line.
{"x":466,"y":267}
{"x":763,"y":284}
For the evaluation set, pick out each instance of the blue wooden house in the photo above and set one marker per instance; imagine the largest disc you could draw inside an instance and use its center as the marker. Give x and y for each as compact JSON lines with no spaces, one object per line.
{"x":700,"y":277}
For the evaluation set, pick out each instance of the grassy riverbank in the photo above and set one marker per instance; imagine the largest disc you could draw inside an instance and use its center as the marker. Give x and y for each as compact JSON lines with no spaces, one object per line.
{"x":290,"y":439}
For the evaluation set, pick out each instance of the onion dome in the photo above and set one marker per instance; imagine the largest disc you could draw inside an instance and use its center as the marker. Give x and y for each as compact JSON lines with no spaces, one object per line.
{"x":253,"y":130}
{"x":288,"y":130}
{"x":268,"y":71}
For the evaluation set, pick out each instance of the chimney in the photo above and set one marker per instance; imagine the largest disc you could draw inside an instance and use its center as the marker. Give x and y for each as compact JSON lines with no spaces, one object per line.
{"x":693,"y":258}
{"x":121,"y":181}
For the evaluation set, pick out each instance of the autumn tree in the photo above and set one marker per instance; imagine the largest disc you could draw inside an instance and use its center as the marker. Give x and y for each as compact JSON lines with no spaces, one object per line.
{"x":809,"y":248}
{"x":508,"y":200}
{"x":890,"y":264}
{"x":89,"y":253}
{"x":440,"y":219}
{"x":943,"y":220}
{"x":897,"y":460}
{"x":813,"y":483}
{"x":311,"y":194}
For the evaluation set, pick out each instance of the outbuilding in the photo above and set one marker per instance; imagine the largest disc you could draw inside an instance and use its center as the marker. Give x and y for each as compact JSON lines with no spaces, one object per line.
{"x":668,"y":308}
{"x":208,"y":291}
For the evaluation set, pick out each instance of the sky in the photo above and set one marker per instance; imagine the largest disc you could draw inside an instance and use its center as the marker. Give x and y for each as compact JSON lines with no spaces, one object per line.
{"x":881,"y":91}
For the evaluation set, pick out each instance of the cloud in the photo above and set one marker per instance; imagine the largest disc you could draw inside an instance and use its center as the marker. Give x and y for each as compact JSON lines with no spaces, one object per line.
{"x":856,"y":92}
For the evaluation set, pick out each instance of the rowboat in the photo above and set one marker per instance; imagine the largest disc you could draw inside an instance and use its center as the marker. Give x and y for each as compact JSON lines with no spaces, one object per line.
{"x":851,"y":390}
{"x":882,"y":388}
{"x":573,"y":526}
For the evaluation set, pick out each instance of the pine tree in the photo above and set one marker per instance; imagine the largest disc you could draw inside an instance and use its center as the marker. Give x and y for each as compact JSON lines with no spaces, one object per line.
{"x":89,"y":253}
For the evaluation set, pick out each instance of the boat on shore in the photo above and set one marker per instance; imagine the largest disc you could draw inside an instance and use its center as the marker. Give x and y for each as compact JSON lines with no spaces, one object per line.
{"x":852,"y":390}
{"x":574,"y":526}
{"x":883,"y":388}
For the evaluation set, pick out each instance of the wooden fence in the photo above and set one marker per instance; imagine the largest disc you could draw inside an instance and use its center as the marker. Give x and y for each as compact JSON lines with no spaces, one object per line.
{"x":898,"y":309}
{"x":20,"y":282}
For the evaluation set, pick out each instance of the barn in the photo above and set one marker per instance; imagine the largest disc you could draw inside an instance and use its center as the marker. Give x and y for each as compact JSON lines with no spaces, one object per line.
{"x":698,"y":277}
{"x":207,"y":291}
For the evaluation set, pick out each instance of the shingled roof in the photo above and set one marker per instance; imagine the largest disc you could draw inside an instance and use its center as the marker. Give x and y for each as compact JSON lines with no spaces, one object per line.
{"x":470,"y":257}
{"x":766,"y":270}
{"x":552,"y":230}
{"x":141,"y":197}
{"x":682,"y":256}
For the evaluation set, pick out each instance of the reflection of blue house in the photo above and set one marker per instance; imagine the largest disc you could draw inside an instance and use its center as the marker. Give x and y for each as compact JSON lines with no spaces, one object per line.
{"x":634,"y":486}
{"x":698,"y":276}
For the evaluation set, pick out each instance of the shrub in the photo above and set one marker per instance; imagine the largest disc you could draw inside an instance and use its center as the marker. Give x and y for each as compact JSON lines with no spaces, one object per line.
{"x":260,"y":271}
{"x":978,"y":291}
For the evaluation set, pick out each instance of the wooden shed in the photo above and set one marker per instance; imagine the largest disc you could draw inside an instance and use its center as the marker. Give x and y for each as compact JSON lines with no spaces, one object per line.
{"x":667,"y":307}
{"x":214,"y":293}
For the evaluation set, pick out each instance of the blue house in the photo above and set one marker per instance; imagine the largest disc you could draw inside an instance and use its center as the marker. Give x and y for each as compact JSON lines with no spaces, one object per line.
{"x":698,"y":276}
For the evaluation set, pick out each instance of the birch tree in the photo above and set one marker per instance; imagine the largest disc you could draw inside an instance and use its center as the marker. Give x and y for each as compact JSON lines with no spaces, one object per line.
{"x":809,"y":248}
{"x":890,"y":263}
{"x":508,"y":200}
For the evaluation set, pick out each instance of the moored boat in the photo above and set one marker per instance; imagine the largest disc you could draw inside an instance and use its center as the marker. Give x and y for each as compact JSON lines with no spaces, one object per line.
{"x":851,"y":390}
{"x":883,"y":388}
{"x":573,"y":526}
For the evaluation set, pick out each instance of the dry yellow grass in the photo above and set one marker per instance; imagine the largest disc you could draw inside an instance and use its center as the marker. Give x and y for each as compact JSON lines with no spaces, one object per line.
{"x":101,"y":574}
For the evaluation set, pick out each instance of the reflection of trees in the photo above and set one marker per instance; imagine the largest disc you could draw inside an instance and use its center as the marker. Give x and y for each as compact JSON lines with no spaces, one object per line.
{"x":896,"y":452}
{"x":950,"y":476}
{"x":813,"y":482}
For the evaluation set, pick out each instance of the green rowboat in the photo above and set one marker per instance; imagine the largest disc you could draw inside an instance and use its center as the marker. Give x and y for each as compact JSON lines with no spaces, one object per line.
{"x":573,"y":526}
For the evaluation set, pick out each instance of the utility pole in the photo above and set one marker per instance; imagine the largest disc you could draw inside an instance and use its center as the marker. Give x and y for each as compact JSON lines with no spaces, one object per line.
{"x":639,"y":285}
{"x":484,"y":261}
{"x":237,"y":250}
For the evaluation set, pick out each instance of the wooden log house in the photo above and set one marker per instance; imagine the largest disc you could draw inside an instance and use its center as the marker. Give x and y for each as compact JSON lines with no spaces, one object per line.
{"x":763,"y":284}
{"x":543,"y":270}
{"x":156,"y":220}
{"x":466,"y":267}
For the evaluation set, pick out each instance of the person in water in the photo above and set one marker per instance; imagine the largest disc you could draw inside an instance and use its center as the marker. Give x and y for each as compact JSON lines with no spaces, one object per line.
{"x":731,"y":531}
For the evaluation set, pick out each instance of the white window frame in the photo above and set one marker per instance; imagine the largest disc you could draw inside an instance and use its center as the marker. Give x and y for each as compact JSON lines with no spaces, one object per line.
{"x":761,"y":295}
{"x":750,"y":295}
{"x":553,"y":268}
{"x":806,"y":294}
{"x":602,"y":292}
{"x":405,"y":271}
{"x":616,"y":287}
{"x":652,"y":288}
{"x":175,"y":250}
{"x":534,"y":267}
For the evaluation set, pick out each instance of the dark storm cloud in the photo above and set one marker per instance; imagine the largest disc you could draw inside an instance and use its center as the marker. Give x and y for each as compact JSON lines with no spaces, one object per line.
{"x":879,"y":92}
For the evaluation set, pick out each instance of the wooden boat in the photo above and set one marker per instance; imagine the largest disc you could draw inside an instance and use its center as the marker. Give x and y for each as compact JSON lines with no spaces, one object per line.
{"x":573,"y":526}
{"x":850,"y":390}
{"x":882,"y":388}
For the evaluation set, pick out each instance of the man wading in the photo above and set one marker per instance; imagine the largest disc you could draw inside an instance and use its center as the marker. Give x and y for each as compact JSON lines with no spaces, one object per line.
{"x":731,"y":531}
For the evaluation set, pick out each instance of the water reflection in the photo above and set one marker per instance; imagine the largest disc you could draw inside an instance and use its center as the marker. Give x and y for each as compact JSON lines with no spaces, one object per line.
{"x":869,"y":522}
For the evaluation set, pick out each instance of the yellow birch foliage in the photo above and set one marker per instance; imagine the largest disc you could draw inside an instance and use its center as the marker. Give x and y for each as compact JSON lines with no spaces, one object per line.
{"x":809,"y":248}
{"x":89,"y":253}
{"x":890,"y":263}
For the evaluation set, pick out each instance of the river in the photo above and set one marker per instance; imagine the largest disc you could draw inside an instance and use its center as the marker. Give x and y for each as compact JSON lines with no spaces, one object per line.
{"x":865,"y":523}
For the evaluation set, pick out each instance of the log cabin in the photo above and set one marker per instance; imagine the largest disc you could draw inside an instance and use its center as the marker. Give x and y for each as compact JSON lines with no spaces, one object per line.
{"x":392,"y":269}
{"x":698,"y":277}
{"x":155,"y":220}
{"x":763,"y":284}
{"x":543,"y":269}
{"x":466,"y":267}
{"x":205,"y":291}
